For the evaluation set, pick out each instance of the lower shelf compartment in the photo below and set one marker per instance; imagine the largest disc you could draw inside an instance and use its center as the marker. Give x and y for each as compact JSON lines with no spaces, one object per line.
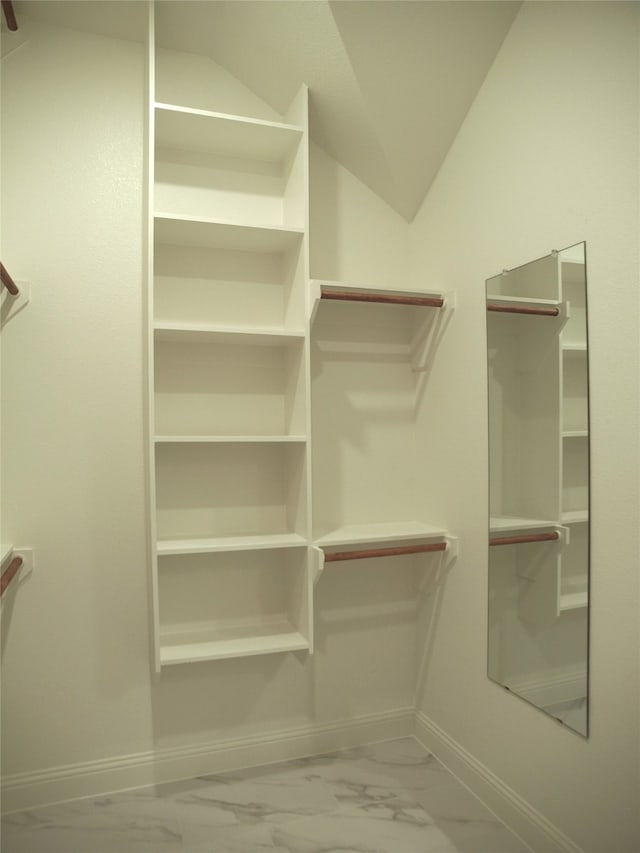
{"x":227,"y":604}
{"x":190,"y":644}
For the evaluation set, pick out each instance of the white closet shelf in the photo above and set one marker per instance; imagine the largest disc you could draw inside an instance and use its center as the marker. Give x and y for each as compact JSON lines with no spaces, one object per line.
{"x":223,"y":134}
{"x":361,"y":534}
{"x":189,"y":645}
{"x":575,"y":433}
{"x":193,"y":333}
{"x":512,"y":524}
{"x":576,"y":516}
{"x":574,"y":348}
{"x":522,"y":300}
{"x":221,"y":544}
{"x":174,"y":230}
{"x":230,"y":439}
{"x":573,"y":600}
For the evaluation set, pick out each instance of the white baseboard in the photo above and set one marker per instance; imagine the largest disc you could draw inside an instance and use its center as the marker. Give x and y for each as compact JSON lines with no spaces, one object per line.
{"x":545,"y":691}
{"x":96,"y":778}
{"x":530,"y":825}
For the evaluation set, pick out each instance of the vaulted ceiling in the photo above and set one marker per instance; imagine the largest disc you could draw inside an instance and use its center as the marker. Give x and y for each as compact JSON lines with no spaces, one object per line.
{"x":390,"y":81}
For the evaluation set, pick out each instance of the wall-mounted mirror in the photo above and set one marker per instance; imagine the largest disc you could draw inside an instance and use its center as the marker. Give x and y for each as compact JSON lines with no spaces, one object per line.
{"x":539,"y":484}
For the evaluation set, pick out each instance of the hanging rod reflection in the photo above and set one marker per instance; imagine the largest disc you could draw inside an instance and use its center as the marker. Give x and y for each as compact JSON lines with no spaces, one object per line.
{"x":522,"y":309}
{"x":8,"y":282}
{"x":384,"y":298}
{"x":397,"y":551}
{"x":528,"y":537}
{"x":9,"y":573}
{"x":9,"y":15}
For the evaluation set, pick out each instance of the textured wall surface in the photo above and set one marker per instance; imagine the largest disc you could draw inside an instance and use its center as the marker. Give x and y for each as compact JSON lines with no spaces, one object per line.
{"x":547,"y":157}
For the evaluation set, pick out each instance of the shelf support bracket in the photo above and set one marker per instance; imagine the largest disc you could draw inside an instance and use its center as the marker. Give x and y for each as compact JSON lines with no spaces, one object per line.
{"x":429,"y":334}
{"x":430,"y":577}
{"x":12,"y":305}
{"x":453,"y":549}
{"x":314,"y":299}
{"x":317,"y":563}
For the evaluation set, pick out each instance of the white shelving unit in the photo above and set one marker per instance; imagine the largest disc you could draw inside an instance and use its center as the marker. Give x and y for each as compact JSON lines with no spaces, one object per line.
{"x":229,"y":376}
{"x":231,"y":309}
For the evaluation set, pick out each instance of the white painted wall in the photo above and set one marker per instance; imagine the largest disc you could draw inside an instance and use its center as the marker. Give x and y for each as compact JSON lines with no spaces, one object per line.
{"x":355,"y":236}
{"x":76,"y":660}
{"x":547,"y":156}
{"x":75,"y":676}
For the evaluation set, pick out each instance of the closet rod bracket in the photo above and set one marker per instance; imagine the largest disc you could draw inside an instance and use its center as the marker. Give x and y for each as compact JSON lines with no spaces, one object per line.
{"x":453,"y":549}
{"x":317,"y":563}
{"x":12,"y":305}
{"x":24,"y":569}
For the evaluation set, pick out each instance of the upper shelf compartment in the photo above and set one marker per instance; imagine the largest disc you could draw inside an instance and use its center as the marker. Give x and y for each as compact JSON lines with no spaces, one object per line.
{"x":223,"y":135}
{"x":227,"y":167}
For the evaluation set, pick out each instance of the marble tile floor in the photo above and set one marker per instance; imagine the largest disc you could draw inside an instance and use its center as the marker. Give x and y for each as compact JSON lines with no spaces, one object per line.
{"x":390,"y":797}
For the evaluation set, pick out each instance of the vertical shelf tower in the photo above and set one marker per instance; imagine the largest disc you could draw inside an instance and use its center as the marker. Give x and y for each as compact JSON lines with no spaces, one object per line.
{"x":229,"y":373}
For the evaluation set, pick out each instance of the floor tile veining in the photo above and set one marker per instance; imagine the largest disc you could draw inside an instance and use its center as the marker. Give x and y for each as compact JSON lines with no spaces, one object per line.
{"x":391,"y":797}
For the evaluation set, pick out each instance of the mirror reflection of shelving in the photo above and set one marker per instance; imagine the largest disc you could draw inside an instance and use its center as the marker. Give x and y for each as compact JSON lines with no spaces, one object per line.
{"x":230,"y":365}
{"x":539,"y":482}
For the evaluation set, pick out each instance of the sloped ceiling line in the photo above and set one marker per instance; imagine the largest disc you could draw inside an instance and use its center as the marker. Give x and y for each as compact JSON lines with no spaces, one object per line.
{"x":391,"y":81}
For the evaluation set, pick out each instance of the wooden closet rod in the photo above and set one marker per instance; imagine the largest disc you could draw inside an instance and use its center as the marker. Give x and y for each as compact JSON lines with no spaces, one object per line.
{"x":529,"y":537}
{"x":9,"y":574}
{"x":386,"y":298}
{"x":515,"y":309}
{"x":8,"y":282}
{"x":9,"y":15}
{"x":384,"y":552}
